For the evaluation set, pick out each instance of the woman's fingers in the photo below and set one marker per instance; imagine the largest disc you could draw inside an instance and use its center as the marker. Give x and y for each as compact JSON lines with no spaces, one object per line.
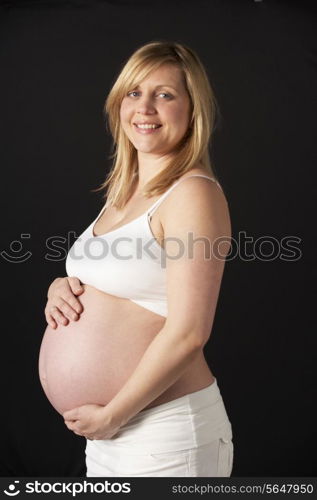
{"x":50,"y":320}
{"x":62,"y":303}
{"x":75,"y":288}
{"x":67,"y":309}
{"x":56,"y":314}
{"x":75,"y":285}
{"x":61,"y":312}
{"x":73,"y":305}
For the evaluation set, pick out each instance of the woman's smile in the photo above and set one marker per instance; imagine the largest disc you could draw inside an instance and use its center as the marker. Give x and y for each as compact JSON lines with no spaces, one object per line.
{"x":158,"y":106}
{"x":146,"y":129}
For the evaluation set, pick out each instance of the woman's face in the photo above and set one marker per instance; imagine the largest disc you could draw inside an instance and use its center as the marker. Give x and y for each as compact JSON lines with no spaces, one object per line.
{"x":160,"y":99}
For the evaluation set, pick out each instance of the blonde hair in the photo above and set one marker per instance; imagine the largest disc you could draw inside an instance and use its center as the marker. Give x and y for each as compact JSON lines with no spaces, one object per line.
{"x":193,"y":147}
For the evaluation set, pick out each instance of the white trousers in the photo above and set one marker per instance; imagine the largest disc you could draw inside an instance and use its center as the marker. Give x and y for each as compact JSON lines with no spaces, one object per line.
{"x":190,"y":436}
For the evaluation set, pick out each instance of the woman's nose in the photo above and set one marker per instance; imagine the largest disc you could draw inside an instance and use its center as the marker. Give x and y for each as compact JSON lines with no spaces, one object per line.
{"x":145,"y":105}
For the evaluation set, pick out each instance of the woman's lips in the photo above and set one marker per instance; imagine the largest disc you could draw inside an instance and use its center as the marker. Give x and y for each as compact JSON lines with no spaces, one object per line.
{"x":146,"y":131}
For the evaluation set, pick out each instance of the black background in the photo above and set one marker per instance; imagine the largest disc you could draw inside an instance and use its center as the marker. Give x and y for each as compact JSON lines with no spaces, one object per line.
{"x":58,"y":61}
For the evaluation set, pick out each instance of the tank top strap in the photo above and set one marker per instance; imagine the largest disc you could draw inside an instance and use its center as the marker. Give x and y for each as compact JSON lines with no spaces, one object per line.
{"x":152,"y":209}
{"x":101,"y":211}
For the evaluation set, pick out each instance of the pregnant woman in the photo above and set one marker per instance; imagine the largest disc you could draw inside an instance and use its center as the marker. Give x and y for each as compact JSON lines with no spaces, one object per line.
{"x":122,"y":356}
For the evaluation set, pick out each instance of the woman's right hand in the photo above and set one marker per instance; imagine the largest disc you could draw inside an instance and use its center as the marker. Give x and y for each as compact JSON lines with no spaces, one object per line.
{"x":62,"y":303}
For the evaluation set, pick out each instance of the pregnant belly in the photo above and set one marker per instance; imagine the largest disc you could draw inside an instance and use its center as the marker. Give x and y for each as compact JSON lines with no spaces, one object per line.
{"x":88,"y":361}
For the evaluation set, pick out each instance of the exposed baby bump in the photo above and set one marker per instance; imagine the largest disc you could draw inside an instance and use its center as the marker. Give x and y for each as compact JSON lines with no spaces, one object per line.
{"x":87,"y":361}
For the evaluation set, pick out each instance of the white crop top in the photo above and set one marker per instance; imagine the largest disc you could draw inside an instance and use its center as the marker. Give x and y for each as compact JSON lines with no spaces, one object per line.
{"x":126,"y":262}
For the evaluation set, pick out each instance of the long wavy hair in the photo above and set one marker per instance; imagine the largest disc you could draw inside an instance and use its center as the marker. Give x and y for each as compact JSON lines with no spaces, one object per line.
{"x":193,"y":147}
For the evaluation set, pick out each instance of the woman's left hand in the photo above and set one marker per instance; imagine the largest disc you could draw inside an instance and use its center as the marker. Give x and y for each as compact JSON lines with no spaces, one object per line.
{"x":91,"y":421}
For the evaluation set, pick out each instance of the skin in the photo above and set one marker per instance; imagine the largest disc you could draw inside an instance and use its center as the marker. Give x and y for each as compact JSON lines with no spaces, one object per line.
{"x":167,"y":352}
{"x":151,"y":102}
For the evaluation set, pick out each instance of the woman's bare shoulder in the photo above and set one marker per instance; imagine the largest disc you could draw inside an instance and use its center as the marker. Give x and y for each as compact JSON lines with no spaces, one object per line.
{"x":208,"y":196}
{"x":200,"y":187}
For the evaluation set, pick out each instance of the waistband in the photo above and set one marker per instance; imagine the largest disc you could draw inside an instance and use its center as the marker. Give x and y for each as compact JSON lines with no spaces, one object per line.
{"x":192,"y":420}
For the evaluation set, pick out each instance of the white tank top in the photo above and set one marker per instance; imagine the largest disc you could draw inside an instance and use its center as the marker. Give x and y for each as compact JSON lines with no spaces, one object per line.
{"x":127,"y":262}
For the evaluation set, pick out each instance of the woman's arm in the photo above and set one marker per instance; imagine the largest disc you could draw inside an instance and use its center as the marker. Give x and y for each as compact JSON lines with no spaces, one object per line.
{"x":194,"y":272}
{"x":164,"y":361}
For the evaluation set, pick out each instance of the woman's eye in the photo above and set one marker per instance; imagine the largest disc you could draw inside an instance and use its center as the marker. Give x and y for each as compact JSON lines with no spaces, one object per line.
{"x":168,"y":96}
{"x":164,"y":93}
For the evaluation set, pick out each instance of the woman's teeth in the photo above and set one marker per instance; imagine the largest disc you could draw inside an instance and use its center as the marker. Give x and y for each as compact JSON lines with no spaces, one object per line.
{"x":147,"y":125}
